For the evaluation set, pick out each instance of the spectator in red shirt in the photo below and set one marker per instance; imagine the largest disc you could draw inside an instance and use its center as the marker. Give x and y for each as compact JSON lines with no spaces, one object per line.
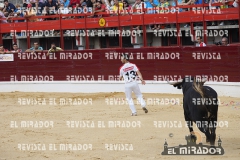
{"x":2,"y":50}
{"x":74,"y":3}
{"x":99,"y":7}
{"x":200,"y":43}
{"x":16,"y":49}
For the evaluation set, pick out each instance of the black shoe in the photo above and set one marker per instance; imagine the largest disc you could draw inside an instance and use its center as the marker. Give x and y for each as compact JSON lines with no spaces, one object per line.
{"x":145,"y":109}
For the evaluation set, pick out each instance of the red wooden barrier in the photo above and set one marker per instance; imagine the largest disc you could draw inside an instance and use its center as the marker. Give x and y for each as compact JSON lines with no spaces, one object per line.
{"x":219,"y":63}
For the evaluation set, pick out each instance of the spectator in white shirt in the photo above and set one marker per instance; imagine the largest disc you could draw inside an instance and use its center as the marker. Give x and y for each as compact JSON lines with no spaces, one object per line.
{"x":200,"y":43}
{"x":139,"y":6}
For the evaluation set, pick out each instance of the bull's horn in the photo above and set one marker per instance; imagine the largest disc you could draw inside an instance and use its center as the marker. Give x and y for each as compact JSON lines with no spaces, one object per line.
{"x":174,"y":82}
{"x":204,"y":80}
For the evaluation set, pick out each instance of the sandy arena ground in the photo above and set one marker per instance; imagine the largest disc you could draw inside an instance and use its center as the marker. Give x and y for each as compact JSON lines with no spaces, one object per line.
{"x":145,"y":141}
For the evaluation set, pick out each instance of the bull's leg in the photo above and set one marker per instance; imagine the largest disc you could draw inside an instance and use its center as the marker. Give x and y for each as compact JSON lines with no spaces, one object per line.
{"x":189,"y":122}
{"x":203,"y":126}
{"x":206,"y":131}
{"x":213,"y":122}
{"x":213,"y":136}
{"x":212,"y":129}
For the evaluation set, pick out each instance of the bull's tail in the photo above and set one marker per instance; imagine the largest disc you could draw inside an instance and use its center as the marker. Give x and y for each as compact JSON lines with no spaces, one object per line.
{"x":198,"y":87}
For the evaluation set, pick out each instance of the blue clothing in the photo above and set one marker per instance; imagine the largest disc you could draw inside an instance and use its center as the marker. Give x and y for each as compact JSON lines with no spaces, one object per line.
{"x":198,"y":2}
{"x":10,"y":7}
{"x":149,"y":5}
{"x":33,"y":49}
{"x":20,"y":15}
{"x":174,"y":5}
{"x":66,"y":4}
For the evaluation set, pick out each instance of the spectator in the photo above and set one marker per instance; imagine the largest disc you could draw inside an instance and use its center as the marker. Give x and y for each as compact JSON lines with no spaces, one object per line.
{"x":212,"y":7}
{"x":190,"y":2}
{"x":30,"y":13}
{"x":99,"y":7}
{"x":35,"y":48}
{"x":224,"y":41}
{"x":74,"y":3}
{"x":150,"y":5}
{"x":87,"y":9}
{"x":111,"y":3}
{"x":126,"y":7}
{"x":162,"y":5}
{"x":200,"y":43}
{"x":2,"y":14}
{"x":59,"y":2}
{"x":235,"y":3}
{"x":107,"y":4}
{"x":33,"y":2}
{"x":8,"y":8}
{"x":17,"y":14}
{"x":93,"y":3}
{"x":179,"y":3}
{"x":88,"y":2}
{"x":25,"y":3}
{"x":138,"y":5}
{"x":84,"y":8}
{"x":117,"y":7}
{"x":4,"y":19}
{"x":63,"y":10}
{"x":65,"y":3}
{"x":2,"y":50}
{"x":16,"y":49}
{"x":54,"y":49}
{"x":51,"y":7}
{"x":39,"y":6}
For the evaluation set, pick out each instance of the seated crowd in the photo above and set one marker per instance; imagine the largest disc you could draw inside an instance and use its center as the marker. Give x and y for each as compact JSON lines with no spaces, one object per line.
{"x":32,"y":8}
{"x":35,"y":48}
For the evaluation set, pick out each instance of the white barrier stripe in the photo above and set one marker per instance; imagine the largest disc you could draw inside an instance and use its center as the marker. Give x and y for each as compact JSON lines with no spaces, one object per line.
{"x":230,"y":89}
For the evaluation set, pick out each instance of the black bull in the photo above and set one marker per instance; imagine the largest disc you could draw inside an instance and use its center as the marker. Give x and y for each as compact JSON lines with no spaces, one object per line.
{"x":200,"y":104}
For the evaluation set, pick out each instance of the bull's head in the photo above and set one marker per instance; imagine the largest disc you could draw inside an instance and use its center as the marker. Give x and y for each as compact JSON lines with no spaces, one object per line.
{"x":177,"y":84}
{"x":186,"y":82}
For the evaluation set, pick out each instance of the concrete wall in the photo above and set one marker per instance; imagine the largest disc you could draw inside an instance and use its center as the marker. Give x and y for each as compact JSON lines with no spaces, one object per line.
{"x":156,"y":41}
{"x":111,"y":86}
{"x":22,"y":43}
{"x":97,"y":43}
